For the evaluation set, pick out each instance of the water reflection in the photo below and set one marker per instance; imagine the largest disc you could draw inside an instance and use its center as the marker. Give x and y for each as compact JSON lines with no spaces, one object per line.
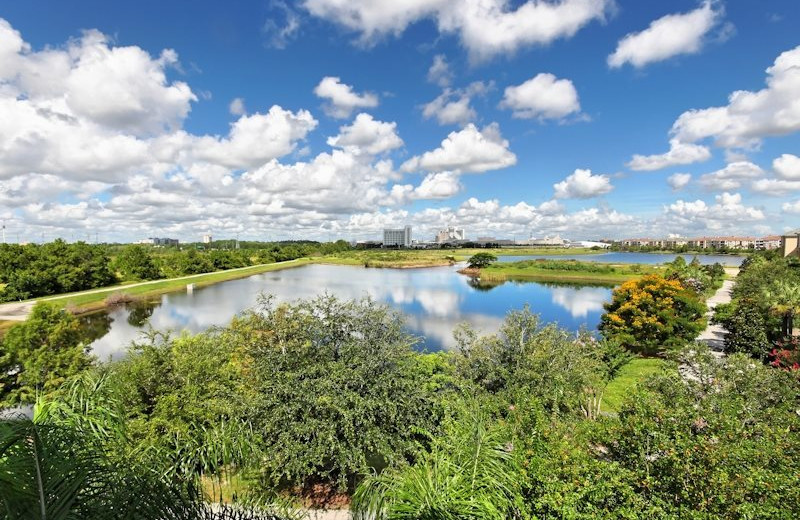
{"x":435,"y":300}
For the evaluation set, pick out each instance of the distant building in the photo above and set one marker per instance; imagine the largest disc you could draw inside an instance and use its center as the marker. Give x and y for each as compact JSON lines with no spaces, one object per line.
{"x":589,"y":244}
{"x":154,"y":241}
{"x":699,"y":242}
{"x":397,"y":237}
{"x":790,"y":243}
{"x":555,"y":241}
{"x":450,"y":234}
{"x":206,"y":239}
{"x":768,"y":242}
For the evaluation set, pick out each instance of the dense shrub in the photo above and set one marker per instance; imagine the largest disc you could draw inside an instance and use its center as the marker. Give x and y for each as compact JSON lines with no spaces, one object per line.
{"x":652,"y":315}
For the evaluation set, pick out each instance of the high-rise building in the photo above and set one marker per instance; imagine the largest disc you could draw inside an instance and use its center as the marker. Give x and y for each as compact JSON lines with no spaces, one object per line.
{"x":206,"y":239}
{"x":397,"y":237}
{"x":450,"y":234}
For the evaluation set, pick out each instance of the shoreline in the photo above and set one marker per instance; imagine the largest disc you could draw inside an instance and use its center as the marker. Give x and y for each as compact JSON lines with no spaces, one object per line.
{"x":95,"y":300}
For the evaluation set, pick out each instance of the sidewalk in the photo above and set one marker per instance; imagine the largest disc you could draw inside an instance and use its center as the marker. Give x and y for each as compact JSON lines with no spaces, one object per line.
{"x":714,"y":335}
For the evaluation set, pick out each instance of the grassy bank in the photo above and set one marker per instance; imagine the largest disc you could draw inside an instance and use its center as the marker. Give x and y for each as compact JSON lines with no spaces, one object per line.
{"x":433,"y":257}
{"x":629,"y":376}
{"x":564,"y":270}
{"x":95,"y":299}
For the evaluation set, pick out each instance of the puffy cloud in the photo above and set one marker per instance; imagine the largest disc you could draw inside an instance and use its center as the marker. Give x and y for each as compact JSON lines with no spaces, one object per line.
{"x":749,"y":116}
{"x":453,"y":105}
{"x":582,"y":185}
{"x":792,"y":207}
{"x":486,"y":27}
{"x":542,"y":97}
{"x":728,"y":212}
{"x":236,"y":108}
{"x":366,"y":135}
{"x":440,"y":185}
{"x":787,"y":167}
{"x":342,"y":99}
{"x":466,"y":151}
{"x":775,"y":187}
{"x":666,"y":37}
{"x":679,"y":180}
{"x":730,"y":177}
{"x":257,"y":138}
{"x":440,"y":72}
{"x":679,"y":153}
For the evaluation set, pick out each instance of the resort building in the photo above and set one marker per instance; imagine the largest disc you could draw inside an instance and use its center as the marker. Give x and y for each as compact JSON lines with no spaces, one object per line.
{"x":768,"y":242}
{"x":790,"y":243}
{"x":397,"y":237}
{"x":555,"y":241}
{"x":450,"y":234}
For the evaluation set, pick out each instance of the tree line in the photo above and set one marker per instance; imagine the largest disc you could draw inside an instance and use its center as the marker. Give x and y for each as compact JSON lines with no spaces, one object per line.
{"x":34,"y":270}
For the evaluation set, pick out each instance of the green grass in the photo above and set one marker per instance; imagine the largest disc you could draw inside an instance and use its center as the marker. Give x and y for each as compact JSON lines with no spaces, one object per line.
{"x":565,"y":270}
{"x":434,"y":257}
{"x":629,"y":376}
{"x":88,"y":300}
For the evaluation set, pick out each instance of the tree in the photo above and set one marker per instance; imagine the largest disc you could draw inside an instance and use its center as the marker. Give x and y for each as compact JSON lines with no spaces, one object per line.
{"x":481,"y":260}
{"x":746,"y":330}
{"x":783,"y":299}
{"x":651,"y":315}
{"x":41,"y":353}
{"x":135,"y":263}
{"x":335,"y":389}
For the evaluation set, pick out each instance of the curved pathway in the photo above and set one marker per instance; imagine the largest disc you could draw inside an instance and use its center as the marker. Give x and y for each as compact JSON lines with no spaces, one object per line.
{"x":714,"y":335}
{"x":18,"y":311}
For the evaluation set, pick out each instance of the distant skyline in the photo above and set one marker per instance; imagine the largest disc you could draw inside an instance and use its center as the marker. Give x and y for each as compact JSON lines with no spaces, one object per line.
{"x":323,"y":119}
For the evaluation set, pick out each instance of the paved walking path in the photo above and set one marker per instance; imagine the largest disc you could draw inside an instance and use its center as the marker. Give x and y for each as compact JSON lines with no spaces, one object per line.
{"x":714,"y":335}
{"x":18,"y":311}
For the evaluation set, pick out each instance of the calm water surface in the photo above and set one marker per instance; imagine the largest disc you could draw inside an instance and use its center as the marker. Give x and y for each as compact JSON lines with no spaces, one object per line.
{"x":633,"y":258}
{"x":434,"y":300}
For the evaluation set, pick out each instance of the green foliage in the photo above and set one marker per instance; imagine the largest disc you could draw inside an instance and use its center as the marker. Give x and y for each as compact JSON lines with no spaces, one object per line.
{"x":472,"y":472}
{"x":57,"y":267}
{"x":746,"y":329}
{"x":40,"y":354}
{"x":335,"y":389}
{"x":73,"y":461}
{"x":652,"y":315}
{"x":720,"y":444}
{"x":135,"y":263}
{"x":481,"y":260}
{"x":530,"y":361}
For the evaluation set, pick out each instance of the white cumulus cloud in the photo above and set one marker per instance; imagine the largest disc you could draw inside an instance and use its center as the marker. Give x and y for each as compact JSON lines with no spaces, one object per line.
{"x":542,"y":97}
{"x":342,"y":99}
{"x":486,"y":27}
{"x":731,"y":176}
{"x":367,"y":135}
{"x":787,"y":167}
{"x":749,"y":116}
{"x":466,"y":151}
{"x":666,"y":37}
{"x":679,"y":180}
{"x":582,"y":185}
{"x":679,"y":154}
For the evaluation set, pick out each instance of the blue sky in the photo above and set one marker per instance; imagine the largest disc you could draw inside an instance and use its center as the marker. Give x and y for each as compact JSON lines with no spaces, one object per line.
{"x":328,"y":119}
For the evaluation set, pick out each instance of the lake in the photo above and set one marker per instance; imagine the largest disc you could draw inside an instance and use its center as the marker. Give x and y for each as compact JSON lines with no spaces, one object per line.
{"x":633,"y":258}
{"x":434,"y":300}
